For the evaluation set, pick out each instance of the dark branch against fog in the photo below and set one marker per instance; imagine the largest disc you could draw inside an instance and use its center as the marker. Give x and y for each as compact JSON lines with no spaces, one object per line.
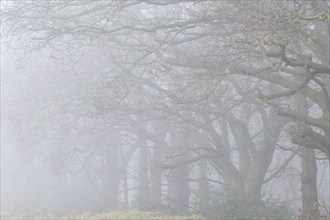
{"x":213,"y":108}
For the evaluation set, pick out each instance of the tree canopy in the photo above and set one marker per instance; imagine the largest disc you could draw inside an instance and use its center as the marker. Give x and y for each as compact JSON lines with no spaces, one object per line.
{"x":187,"y":94}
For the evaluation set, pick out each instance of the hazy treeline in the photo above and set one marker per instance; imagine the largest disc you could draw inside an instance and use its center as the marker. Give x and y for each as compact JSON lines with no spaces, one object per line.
{"x":219,"y":108}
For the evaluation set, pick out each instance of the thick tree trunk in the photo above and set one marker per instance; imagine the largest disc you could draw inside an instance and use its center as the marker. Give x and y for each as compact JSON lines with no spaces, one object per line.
{"x":203,"y":187}
{"x":308,"y":168}
{"x":111,"y":177}
{"x":178,"y":190}
{"x":155,"y":179}
{"x":254,"y":162}
{"x":309,"y":182}
{"x":143,"y":198}
{"x":256,"y":174}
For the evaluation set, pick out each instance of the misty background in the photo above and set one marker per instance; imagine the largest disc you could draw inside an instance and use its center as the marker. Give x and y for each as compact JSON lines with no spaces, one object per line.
{"x":213,"y":108}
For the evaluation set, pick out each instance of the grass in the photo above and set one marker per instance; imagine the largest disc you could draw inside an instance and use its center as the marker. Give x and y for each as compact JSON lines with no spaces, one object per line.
{"x":16,"y":213}
{"x":129,"y":214}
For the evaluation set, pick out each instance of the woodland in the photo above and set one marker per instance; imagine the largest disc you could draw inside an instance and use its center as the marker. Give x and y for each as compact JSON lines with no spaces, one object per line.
{"x":165,"y":109}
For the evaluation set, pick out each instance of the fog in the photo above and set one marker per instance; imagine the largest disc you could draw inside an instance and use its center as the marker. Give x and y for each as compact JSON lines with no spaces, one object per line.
{"x":154,"y":109}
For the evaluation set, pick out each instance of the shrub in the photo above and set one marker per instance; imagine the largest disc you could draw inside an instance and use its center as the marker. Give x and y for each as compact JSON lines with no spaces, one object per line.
{"x":230,"y":205}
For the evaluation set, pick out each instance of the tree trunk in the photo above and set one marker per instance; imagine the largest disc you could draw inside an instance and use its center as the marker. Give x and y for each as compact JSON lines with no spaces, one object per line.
{"x":309,"y":182}
{"x":126,"y":203}
{"x":156,"y":179}
{"x":308,"y":168}
{"x":178,"y":190}
{"x":256,"y":174}
{"x":203,"y":188}
{"x":143,"y":198}
{"x":111,"y":177}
